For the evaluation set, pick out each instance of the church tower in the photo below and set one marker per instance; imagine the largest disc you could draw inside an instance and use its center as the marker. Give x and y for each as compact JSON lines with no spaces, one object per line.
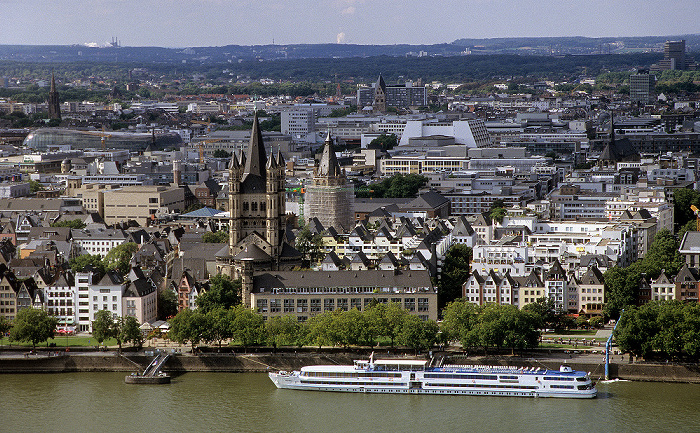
{"x":54,"y":105}
{"x":330,"y":198}
{"x":379,"y":105}
{"x":257,"y":221}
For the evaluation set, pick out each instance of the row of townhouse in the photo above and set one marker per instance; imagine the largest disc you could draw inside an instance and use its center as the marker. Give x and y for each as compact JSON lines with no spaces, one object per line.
{"x":585,"y":295}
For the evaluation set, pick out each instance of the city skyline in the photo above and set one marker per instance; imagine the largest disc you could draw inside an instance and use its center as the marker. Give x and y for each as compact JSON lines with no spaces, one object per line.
{"x":177,"y":23}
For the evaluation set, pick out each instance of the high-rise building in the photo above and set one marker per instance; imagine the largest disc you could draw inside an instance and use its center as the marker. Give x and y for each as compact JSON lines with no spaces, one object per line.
{"x":674,"y":51}
{"x":381,"y":96}
{"x":54,"y":104}
{"x":674,"y":58}
{"x":330,"y":198}
{"x":642,"y":87}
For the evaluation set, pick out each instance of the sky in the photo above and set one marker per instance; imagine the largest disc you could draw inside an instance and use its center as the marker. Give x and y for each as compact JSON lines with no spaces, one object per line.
{"x":196,"y":23}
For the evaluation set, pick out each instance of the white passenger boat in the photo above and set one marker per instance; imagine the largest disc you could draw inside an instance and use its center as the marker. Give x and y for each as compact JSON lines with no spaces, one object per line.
{"x":417,"y":377}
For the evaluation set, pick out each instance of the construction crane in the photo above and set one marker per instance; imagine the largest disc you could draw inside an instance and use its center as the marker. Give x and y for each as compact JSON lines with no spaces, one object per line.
{"x":696,"y":211}
{"x":301,"y":190}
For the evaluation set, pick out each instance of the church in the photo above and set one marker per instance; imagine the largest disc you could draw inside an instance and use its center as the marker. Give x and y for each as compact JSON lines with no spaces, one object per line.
{"x":258,"y":237}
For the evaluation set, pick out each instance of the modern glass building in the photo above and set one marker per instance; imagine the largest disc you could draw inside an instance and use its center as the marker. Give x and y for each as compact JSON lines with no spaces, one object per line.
{"x":44,"y":139}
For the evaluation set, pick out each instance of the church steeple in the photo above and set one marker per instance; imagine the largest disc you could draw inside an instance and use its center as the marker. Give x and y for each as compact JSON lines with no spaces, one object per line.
{"x":53,"y":102}
{"x":254,"y":173}
{"x":328,"y":165}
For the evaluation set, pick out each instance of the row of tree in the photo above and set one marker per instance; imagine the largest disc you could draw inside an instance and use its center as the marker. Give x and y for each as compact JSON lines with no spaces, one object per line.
{"x":668,"y":329}
{"x":334,"y":328}
{"x":491,"y":325}
{"x":123,"y":329}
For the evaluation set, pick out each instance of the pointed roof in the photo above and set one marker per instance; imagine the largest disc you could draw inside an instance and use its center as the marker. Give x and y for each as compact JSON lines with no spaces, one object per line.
{"x":328,"y":164}
{"x":380,"y":83}
{"x":593,"y":276}
{"x":556,"y":271}
{"x":462,"y":227}
{"x":255,"y":172}
{"x":53,"y":83}
{"x":663,"y":279}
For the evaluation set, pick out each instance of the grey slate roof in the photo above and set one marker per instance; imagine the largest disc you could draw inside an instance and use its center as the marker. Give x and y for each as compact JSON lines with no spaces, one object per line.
{"x":264,"y":282}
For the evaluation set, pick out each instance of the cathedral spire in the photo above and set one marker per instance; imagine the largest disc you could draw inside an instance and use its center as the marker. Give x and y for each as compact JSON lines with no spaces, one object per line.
{"x":328,"y":165}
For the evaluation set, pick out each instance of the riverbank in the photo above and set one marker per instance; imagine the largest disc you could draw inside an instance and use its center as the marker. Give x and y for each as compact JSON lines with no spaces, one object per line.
{"x":178,"y":363}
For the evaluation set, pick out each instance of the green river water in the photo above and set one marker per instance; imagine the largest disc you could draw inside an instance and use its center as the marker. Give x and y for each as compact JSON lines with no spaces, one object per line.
{"x":230,"y":402}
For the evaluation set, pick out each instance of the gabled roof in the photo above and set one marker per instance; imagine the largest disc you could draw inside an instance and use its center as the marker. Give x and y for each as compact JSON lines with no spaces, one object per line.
{"x":687,"y":275}
{"x":252,"y":251}
{"x":205,"y":212}
{"x":389,"y":258}
{"x":111,"y":278}
{"x":555,"y":271}
{"x":462,"y":227}
{"x":479,"y":279}
{"x":663,"y":279}
{"x":593,"y":276}
{"x":139,"y":288}
{"x":333,"y":258}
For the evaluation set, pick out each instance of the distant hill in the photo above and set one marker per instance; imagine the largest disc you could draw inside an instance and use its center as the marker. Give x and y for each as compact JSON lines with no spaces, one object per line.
{"x":240,"y":53}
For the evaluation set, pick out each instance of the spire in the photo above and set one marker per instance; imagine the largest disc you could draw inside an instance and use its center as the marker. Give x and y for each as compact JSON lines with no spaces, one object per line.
{"x":234,"y":161}
{"x":254,"y":174}
{"x":280,"y":158}
{"x":271,"y":161}
{"x":256,"y":151}
{"x":53,"y":102}
{"x":53,"y":83}
{"x":328,"y":165}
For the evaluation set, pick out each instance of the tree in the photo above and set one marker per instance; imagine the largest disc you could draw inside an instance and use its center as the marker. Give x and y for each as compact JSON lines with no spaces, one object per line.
{"x":543,"y":308}
{"x":396,"y":186}
{"x":119,"y":257}
{"x":221,"y":153}
{"x":35,"y":186}
{"x":683,"y":198}
{"x":418,"y":334}
{"x":223,"y":292}
{"x":219,"y":237}
{"x":188,"y":326}
{"x":248,"y":327}
{"x":33,"y":325}
{"x":283,"y":331}
{"x":459,"y":318}
{"x":74,"y":224}
{"x":497,"y":214}
{"x":103,"y":326}
{"x":310,"y":246}
{"x":5,"y":325}
{"x":127,"y":331}
{"x":77,"y":264}
{"x":455,"y":271}
{"x":384,"y":142}
{"x":219,"y":324}
{"x":167,"y":304}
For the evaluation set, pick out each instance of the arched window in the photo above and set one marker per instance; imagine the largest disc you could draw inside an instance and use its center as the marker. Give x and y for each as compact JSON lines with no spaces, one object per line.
{"x":245,"y":206}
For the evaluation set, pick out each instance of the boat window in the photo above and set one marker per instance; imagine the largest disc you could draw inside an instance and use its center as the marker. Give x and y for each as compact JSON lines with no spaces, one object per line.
{"x":581,"y":379}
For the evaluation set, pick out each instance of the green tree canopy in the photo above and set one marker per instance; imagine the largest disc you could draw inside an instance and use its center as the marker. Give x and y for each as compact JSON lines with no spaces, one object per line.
{"x":74,"y":224}
{"x":384,"y":142}
{"x":223,"y":292}
{"x":167,"y":304}
{"x":396,"y":186}
{"x":33,"y":325}
{"x":284,"y":331}
{"x":77,"y":264}
{"x":119,"y":257}
{"x":103,"y":326}
{"x":188,"y":326}
{"x":455,"y":272}
{"x":309,"y":245}
{"x":218,"y":237}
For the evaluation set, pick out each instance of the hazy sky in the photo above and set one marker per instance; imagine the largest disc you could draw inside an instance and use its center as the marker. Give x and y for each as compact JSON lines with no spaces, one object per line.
{"x":182,"y":23}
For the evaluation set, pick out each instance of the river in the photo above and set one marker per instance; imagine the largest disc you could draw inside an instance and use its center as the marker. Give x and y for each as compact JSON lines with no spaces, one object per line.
{"x":234,"y":402}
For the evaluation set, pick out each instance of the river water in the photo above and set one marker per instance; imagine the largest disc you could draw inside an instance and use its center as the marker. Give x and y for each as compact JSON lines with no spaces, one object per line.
{"x":231,"y":402}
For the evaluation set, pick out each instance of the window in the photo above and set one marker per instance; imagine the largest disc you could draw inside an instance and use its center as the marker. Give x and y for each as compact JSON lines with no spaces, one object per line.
{"x":343,"y":304}
{"x":315,"y":306}
{"x":409,"y":304}
{"x":356,"y":303}
{"x":423,"y":304}
{"x":245,"y":206}
{"x":275,"y":305}
{"x":262,"y":305}
{"x":328,"y":304}
{"x":289,"y":305}
{"x":153,"y":200}
{"x":302,"y":305}
{"x":254,"y":206}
